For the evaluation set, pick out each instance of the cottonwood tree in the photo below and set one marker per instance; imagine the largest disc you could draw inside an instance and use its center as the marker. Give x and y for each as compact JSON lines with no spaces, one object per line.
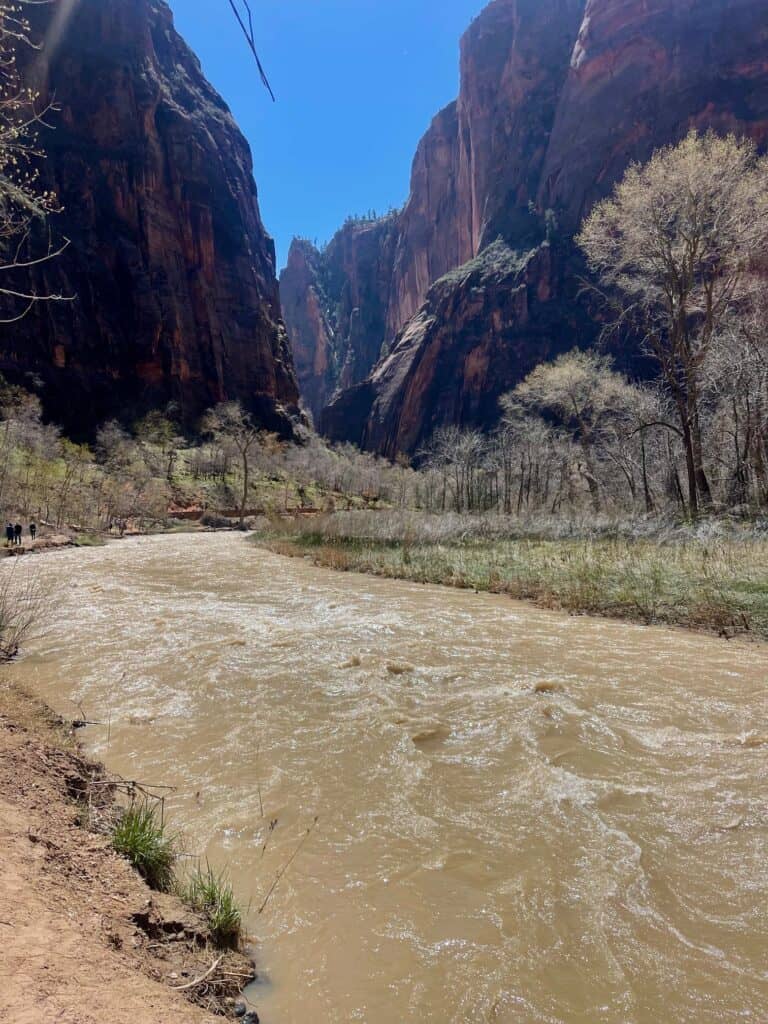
{"x":638,"y":443}
{"x":736,"y":375}
{"x":535,"y":459}
{"x":457,"y":456}
{"x":674,"y":250}
{"x":585,"y":394}
{"x":230,"y":422}
{"x":159,"y":435}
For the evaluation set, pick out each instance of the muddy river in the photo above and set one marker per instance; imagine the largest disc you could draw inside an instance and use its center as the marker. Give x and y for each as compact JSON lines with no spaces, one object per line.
{"x":522,"y":817}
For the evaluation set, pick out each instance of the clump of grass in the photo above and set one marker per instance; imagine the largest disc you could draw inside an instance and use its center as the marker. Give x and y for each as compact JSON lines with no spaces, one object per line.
{"x":141,"y":837}
{"x":210,"y":893}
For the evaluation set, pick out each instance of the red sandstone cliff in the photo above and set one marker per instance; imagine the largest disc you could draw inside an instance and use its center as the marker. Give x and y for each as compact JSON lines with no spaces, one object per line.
{"x":641,"y":75}
{"x":478,"y":167}
{"x":177,"y":299}
{"x":335,"y":304}
{"x":306,"y":311}
{"x":453,"y":360}
{"x":557,"y":97}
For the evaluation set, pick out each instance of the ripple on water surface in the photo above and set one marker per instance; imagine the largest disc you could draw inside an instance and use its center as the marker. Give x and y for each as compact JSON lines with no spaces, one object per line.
{"x":524,"y":817}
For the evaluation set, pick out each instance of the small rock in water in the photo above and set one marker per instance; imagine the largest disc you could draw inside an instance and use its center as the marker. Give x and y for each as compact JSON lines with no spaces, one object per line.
{"x":354,"y":662}
{"x":240,"y":1009}
{"x":399,"y":669}
{"x":251,"y":1018}
{"x":547,"y":687}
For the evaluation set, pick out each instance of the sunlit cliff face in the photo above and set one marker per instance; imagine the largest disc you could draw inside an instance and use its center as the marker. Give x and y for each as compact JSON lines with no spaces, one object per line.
{"x":557,"y":98}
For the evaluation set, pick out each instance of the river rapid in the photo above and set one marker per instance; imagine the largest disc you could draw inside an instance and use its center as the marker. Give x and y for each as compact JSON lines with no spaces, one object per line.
{"x":522,"y":817}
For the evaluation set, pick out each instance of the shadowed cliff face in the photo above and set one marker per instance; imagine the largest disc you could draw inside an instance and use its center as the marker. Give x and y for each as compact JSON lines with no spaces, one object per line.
{"x":173,"y":272}
{"x":335,"y":304}
{"x":306,"y":312}
{"x":557,"y":98}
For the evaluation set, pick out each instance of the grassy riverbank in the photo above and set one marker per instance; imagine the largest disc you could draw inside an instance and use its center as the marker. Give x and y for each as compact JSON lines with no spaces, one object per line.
{"x":714,"y":578}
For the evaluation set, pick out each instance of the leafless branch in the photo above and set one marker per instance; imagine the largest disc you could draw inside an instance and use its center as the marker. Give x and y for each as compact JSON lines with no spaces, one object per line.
{"x":250,"y":39}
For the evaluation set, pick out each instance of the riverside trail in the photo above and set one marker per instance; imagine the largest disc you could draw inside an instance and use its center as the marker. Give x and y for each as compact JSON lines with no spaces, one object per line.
{"x":523,"y":816}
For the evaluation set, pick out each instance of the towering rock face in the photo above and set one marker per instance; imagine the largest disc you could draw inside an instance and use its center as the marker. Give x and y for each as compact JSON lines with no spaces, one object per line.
{"x":557,"y":98}
{"x":176,"y":298}
{"x":307,"y":314}
{"x":454,"y":359}
{"x":477,"y":169}
{"x":642,"y":74}
{"x":335,"y":304}
{"x":434,"y":231}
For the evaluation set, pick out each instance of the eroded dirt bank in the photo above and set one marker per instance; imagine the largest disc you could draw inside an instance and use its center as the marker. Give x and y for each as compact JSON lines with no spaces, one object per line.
{"x":83,"y":940}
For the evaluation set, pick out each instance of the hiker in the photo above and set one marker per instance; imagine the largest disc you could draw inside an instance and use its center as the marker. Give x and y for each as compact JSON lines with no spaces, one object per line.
{"x":18,"y":530}
{"x":9,"y":533}
{"x":33,"y":531}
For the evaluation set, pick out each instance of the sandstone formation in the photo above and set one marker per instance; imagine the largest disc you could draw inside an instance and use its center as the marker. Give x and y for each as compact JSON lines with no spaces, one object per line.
{"x":335,"y":304}
{"x":172,"y":269}
{"x":481,"y":326}
{"x":557,"y":97}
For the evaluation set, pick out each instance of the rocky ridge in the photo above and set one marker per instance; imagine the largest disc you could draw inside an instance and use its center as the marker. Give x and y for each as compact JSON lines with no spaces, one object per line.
{"x":557,"y":98}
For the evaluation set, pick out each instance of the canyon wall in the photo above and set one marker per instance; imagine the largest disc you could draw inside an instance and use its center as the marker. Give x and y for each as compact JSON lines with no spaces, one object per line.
{"x":335,"y":304}
{"x":557,"y":98}
{"x":171,"y":269}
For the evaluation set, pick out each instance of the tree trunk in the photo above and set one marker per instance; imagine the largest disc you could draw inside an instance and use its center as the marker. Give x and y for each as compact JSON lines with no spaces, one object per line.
{"x":592,"y":484}
{"x":702,"y":483}
{"x":244,"y":503}
{"x":649,"y":507}
{"x":690,"y":458}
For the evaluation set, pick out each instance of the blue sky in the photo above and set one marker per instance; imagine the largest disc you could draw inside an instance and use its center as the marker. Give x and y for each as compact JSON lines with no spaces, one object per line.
{"x":357,"y":83}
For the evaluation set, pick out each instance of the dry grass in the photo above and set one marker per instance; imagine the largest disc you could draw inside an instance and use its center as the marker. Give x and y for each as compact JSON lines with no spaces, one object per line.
{"x":715,"y":578}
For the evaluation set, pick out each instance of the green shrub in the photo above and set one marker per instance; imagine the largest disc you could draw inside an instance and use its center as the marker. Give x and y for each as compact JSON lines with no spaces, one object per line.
{"x":141,"y":837}
{"x":210,"y":893}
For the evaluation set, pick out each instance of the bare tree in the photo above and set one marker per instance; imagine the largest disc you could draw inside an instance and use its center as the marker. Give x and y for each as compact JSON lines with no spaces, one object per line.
{"x":674,"y":249}
{"x":229,"y":421}
{"x":159,"y":434}
{"x":458,"y":456}
{"x":24,"y":205}
{"x":585,"y":394}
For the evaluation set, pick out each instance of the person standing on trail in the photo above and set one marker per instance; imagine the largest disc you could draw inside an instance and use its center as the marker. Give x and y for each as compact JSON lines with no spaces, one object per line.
{"x":18,"y":530}
{"x":33,"y":531}
{"x":9,"y":533}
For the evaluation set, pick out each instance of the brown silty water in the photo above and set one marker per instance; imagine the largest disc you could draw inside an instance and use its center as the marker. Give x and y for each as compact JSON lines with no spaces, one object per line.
{"x":523,"y":816}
